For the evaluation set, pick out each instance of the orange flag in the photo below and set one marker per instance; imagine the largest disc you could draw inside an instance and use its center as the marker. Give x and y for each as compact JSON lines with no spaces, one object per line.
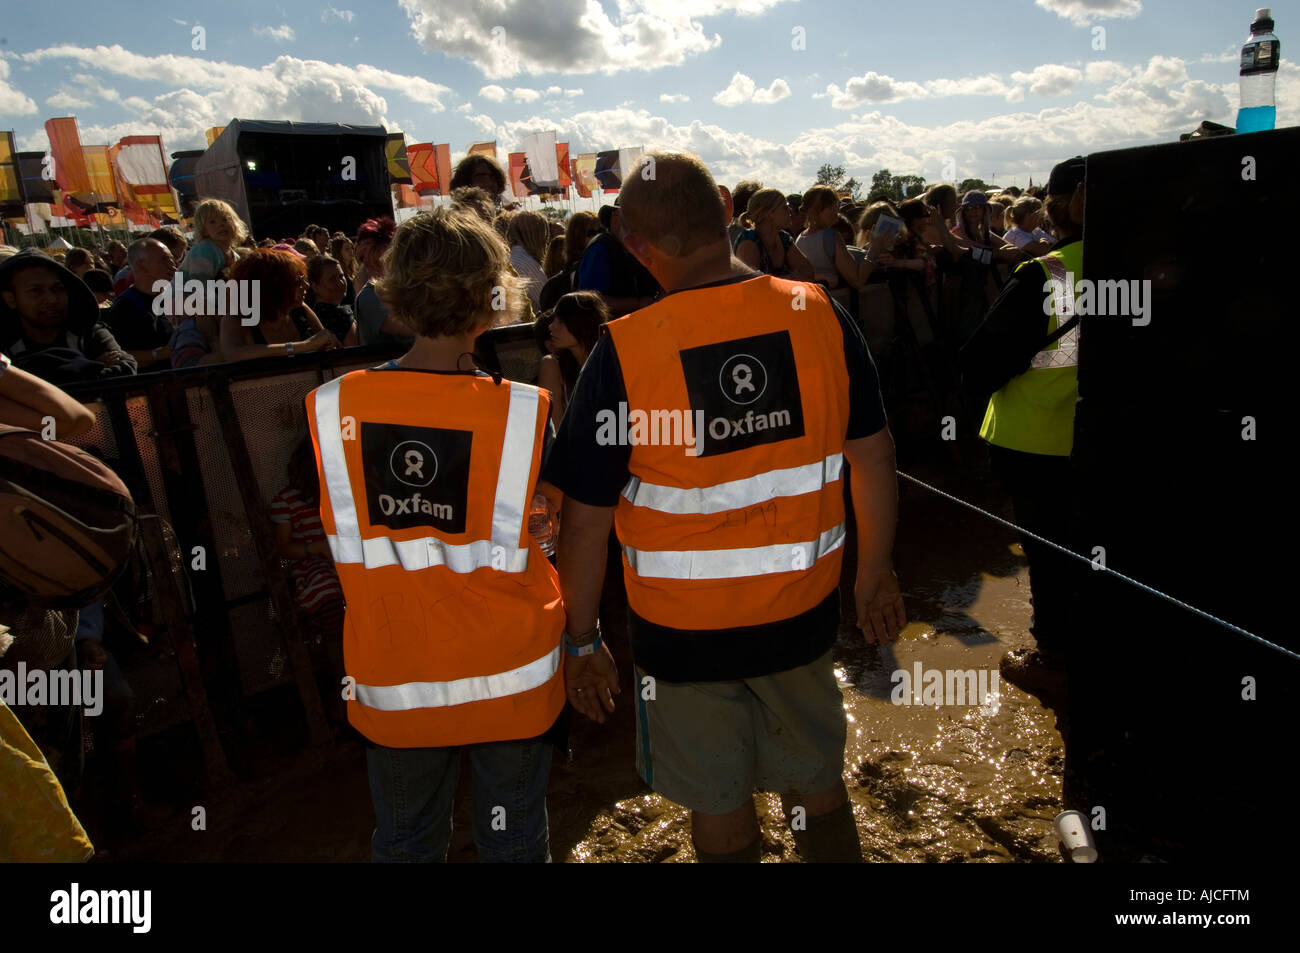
{"x":424,"y":172}
{"x":69,"y":164}
{"x":562,"y":160}
{"x":483,"y":148}
{"x":442,"y":162}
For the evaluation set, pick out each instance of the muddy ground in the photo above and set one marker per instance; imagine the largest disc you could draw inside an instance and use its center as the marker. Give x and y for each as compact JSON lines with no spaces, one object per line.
{"x":945,"y":784}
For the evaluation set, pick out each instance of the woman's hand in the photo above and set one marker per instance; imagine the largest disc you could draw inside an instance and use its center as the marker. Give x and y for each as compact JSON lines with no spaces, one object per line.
{"x":322,"y":340}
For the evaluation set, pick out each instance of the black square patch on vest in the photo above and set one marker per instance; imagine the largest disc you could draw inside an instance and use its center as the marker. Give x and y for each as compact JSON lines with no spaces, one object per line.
{"x":416,"y":476}
{"x":748,"y":390}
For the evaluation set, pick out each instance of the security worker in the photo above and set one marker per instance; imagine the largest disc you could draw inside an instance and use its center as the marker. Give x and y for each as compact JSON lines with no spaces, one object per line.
{"x":1029,"y":425}
{"x":452,"y":633}
{"x":713,"y":428}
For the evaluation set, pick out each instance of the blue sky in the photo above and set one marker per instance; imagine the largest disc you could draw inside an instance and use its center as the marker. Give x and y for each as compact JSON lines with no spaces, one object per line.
{"x":929,"y":87}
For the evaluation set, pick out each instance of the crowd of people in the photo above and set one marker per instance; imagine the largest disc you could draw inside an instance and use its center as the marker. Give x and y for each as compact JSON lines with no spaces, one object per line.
{"x":432,"y":286}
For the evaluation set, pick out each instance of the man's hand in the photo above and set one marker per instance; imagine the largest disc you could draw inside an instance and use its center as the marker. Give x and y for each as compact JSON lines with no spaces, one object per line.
{"x":111,"y":358}
{"x":591,"y":682}
{"x":881,"y":615}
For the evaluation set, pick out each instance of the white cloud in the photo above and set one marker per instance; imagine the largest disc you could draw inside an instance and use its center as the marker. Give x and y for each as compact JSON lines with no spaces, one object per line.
{"x":484,"y":125}
{"x":510,"y":37}
{"x":207,"y":92}
{"x":63,"y":100}
{"x":1083,"y":12}
{"x":742,"y":90}
{"x":330,"y":13}
{"x":674,"y":98}
{"x":494,"y":93}
{"x":280,"y":34}
{"x":872,"y":88}
{"x":1049,"y":80}
{"x":12,"y":101}
{"x":465,"y":108}
{"x":522,"y":94}
{"x":1105,"y":71}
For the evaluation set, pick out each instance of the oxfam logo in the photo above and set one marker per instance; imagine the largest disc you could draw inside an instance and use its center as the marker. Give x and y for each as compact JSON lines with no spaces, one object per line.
{"x":743,"y":379}
{"x":414,"y":463}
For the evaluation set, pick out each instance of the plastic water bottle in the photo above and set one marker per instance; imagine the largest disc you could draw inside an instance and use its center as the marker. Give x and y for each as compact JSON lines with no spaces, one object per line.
{"x":543,"y":524}
{"x":1259,"y":59}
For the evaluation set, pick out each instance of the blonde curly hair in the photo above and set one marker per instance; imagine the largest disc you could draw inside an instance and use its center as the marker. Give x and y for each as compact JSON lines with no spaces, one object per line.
{"x":211,"y":211}
{"x":446,"y":270}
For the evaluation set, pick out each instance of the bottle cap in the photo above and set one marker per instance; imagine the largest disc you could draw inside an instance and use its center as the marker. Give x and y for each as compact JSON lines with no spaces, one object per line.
{"x":1263,"y":21}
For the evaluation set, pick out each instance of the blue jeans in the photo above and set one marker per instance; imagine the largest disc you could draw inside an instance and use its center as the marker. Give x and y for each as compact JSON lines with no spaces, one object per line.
{"x":413,"y":790}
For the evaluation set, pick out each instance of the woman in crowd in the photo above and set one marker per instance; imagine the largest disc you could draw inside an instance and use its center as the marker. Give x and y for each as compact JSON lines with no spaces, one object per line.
{"x":764,"y":244}
{"x":528,"y":234}
{"x":374,"y":324}
{"x":341,"y":250}
{"x":217,"y":230}
{"x":581,"y":226}
{"x":822,"y":245}
{"x":307,"y":248}
{"x":327,"y":287}
{"x":554,"y":262}
{"x":973,"y":230}
{"x":998,"y":205}
{"x":1026,"y":233}
{"x":287,"y":326}
{"x":574,"y":329}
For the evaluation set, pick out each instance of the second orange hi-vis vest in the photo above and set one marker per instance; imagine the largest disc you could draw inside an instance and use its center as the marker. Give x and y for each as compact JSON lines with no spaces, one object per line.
{"x":746,"y":527}
{"x":454,"y":617}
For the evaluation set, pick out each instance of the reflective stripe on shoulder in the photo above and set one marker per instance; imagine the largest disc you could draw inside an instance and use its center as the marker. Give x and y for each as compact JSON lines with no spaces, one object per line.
{"x":512,"y":497}
{"x":735,"y":494}
{"x":733,"y":563}
{"x":461,"y":691}
{"x":1064,"y":351}
{"x":330,"y":434}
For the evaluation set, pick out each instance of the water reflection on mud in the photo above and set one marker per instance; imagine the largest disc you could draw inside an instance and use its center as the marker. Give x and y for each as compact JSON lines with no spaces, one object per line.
{"x":947,"y":783}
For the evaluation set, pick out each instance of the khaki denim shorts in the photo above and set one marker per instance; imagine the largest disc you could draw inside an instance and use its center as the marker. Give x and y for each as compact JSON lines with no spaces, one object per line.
{"x":709,"y":745}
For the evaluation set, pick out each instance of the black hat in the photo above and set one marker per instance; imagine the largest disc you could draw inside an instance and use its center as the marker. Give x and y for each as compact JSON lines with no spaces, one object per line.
{"x":1066,"y":176}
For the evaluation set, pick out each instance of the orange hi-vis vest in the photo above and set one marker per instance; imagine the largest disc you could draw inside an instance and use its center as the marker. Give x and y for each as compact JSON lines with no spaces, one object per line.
{"x":740,"y":520}
{"x":454,"y":617}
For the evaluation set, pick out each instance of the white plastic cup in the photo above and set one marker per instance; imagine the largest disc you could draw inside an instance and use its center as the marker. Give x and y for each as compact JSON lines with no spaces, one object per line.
{"x":1075,"y":834}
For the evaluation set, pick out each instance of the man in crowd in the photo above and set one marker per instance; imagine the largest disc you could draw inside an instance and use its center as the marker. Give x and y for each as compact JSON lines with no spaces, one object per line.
{"x":49,"y":323}
{"x":733,"y":599}
{"x":607,"y":267}
{"x":1029,"y":423}
{"x":142,"y":333}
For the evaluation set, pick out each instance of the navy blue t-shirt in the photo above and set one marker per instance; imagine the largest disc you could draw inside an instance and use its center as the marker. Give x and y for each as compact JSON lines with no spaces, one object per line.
{"x":595,"y":474}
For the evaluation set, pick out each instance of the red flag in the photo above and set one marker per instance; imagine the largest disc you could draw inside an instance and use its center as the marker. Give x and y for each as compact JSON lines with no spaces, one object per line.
{"x":69,"y":162}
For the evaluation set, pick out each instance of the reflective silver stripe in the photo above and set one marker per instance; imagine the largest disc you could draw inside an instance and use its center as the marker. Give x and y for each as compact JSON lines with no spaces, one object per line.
{"x":416,"y":554}
{"x":733,"y":563}
{"x":512,"y":499}
{"x":1065,"y":349}
{"x":462,"y":691}
{"x":735,"y":494}
{"x":501,"y":552}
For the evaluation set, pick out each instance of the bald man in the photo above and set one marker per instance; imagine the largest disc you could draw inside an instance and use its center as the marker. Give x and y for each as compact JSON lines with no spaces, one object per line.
{"x":732,"y":524}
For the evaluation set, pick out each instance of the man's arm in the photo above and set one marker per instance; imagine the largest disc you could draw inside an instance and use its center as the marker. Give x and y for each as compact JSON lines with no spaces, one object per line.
{"x":103,"y":347}
{"x":873,"y":484}
{"x":26,"y":400}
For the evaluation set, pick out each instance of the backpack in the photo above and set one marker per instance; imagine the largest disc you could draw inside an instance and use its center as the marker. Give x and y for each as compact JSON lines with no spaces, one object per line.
{"x":67,"y":522}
